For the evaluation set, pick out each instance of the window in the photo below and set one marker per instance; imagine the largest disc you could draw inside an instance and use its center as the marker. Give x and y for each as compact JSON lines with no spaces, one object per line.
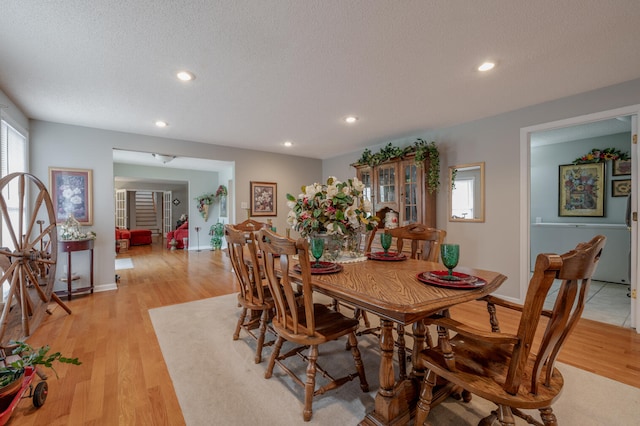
{"x":462,"y":199}
{"x":13,"y":158}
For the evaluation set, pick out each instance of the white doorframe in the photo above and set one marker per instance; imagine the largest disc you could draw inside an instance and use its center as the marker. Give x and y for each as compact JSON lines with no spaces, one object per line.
{"x":525,"y":196}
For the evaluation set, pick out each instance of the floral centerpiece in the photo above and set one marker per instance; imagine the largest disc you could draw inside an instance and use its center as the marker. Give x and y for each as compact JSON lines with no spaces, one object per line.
{"x":332,"y":208}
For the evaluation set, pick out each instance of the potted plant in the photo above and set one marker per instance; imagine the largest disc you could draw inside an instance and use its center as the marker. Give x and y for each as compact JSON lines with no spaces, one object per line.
{"x":22,"y":357}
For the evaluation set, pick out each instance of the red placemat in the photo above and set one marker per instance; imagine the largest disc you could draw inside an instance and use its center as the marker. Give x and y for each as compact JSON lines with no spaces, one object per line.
{"x":324,"y":268}
{"x":465,"y":282}
{"x":391,"y":256}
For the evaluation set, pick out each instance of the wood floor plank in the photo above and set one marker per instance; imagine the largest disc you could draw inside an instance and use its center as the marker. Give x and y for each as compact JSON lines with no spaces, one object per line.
{"x":123,"y":379}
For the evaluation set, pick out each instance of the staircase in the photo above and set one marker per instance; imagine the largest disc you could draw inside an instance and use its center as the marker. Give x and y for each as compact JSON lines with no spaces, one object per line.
{"x":147,"y":212}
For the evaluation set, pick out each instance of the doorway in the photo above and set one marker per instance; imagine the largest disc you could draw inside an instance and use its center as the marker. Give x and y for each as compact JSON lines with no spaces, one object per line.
{"x":546,"y":227}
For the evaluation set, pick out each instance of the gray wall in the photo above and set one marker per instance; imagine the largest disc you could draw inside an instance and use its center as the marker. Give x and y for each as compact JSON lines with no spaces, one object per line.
{"x":61,"y":145}
{"x":495,"y":244}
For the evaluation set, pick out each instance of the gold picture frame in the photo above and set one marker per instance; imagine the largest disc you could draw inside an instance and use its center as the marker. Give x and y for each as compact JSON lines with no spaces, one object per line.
{"x":581,"y":190}
{"x":621,"y":167}
{"x":71,"y":192}
{"x":264,"y":201}
{"x":620,"y":188}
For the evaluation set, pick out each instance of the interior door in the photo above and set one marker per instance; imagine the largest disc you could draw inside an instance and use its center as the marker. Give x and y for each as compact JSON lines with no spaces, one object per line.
{"x":121,"y":208}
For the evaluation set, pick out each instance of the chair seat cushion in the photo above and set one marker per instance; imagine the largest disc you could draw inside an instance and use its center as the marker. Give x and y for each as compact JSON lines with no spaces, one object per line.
{"x":483,"y":373}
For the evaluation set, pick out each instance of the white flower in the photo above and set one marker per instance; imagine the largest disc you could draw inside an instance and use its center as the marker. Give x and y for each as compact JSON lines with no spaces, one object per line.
{"x":291,"y":217}
{"x":367,"y":206}
{"x":332,"y":191}
{"x":358,"y":185}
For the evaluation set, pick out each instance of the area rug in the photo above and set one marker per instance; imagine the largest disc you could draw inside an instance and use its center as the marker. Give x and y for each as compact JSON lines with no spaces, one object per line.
{"x":124,"y":264}
{"x":218,"y":383}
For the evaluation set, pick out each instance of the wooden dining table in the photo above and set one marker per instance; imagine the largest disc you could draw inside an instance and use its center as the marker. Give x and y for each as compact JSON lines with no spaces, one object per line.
{"x":392,"y":291}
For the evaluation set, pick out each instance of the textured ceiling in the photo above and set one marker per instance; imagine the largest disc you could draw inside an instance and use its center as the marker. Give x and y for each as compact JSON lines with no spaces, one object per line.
{"x":270,"y":71}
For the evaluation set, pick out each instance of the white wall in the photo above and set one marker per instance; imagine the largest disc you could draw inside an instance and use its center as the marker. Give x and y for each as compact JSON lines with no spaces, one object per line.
{"x":61,"y":145}
{"x":495,"y":244}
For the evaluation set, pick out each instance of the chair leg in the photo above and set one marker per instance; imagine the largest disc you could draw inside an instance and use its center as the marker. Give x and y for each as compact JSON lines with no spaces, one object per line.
{"x":547,"y":416}
{"x":243,"y":316}
{"x":264,"y":318}
{"x":355,"y":352}
{"x":426,"y":397}
{"x":310,"y":385}
{"x":505,"y":417}
{"x":274,"y":355}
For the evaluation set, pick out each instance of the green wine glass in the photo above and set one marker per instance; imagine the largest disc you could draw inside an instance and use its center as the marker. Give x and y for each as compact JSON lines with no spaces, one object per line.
{"x":317,"y":248}
{"x":450,"y":254}
{"x":385,"y":241}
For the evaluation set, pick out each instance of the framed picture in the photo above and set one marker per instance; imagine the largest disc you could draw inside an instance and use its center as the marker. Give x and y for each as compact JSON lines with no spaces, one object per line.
{"x":621,"y":168}
{"x":71,"y":191}
{"x":264,"y":199}
{"x":581,"y":190}
{"x":620,"y":188}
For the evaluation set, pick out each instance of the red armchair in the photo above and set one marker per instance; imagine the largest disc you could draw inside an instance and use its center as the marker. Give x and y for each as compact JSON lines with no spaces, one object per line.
{"x":123,"y":234}
{"x":181,"y":232}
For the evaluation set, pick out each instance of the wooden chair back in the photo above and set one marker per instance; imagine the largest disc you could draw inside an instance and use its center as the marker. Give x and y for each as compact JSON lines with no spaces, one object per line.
{"x":250,"y":225}
{"x":293,"y":300}
{"x":575,"y":269}
{"x":424,"y":241}
{"x":241,"y":246}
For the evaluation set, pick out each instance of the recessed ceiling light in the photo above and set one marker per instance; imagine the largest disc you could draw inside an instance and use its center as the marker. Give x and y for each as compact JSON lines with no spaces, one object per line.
{"x":486,"y":66}
{"x":161,"y":123}
{"x":185,"y":76}
{"x":351,"y":119}
{"x":287,"y":143}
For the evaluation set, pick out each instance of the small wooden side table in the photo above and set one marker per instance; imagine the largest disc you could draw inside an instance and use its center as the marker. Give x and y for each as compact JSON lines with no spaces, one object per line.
{"x":69,"y":246}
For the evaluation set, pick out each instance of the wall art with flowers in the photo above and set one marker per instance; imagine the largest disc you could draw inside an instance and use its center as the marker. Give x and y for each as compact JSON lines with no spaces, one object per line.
{"x":71,"y":191}
{"x":582,"y":190}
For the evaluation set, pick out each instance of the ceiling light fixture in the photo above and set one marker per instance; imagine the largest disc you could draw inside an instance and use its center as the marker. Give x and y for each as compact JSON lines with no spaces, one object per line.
{"x":164,"y":159}
{"x":351,"y":119}
{"x":486,"y":66}
{"x":288,"y":144}
{"x":161,"y":123}
{"x":185,"y":76}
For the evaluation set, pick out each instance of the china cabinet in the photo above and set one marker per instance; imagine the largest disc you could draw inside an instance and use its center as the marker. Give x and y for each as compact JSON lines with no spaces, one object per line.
{"x":399,"y":185}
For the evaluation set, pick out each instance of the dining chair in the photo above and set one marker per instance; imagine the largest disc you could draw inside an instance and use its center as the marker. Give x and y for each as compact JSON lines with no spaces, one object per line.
{"x":505,"y":368}
{"x":305,"y":324}
{"x":254,"y":297}
{"x":250,"y":225}
{"x":424,"y":243}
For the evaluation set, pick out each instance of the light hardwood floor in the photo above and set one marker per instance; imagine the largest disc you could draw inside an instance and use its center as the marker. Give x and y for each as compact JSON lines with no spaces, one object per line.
{"x":123,"y":379}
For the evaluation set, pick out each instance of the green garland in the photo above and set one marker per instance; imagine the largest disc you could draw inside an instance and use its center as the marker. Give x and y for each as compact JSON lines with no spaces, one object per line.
{"x":422,"y":150}
{"x":601,"y":155}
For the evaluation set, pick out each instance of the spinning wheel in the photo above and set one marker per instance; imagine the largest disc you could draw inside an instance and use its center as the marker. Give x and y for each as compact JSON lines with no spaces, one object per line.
{"x":28,"y":260}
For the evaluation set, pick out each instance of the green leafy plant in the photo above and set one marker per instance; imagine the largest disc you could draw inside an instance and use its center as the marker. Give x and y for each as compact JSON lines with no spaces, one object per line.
{"x":421,"y":149}
{"x":601,"y":155}
{"x":29,"y":356}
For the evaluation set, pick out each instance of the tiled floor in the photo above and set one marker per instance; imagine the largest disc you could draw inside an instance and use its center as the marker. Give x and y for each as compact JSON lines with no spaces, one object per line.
{"x":607,"y":302}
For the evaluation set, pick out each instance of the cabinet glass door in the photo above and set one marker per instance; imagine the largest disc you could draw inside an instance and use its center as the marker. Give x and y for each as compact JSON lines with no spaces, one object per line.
{"x":411,"y":199}
{"x":387,"y":184}
{"x":365,"y":177}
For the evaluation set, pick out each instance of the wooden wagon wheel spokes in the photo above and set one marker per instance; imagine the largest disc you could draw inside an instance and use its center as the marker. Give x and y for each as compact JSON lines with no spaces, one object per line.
{"x":28,"y":260}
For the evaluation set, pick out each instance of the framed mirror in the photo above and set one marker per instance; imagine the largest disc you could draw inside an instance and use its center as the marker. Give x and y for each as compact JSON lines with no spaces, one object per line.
{"x":466,"y":197}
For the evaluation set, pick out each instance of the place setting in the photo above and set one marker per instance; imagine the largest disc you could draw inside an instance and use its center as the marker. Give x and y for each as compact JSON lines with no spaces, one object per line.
{"x":450,"y":254}
{"x":386,"y":255}
{"x":319,"y":267}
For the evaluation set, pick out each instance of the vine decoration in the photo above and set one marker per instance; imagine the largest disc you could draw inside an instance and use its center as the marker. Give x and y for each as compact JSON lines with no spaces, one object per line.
{"x":421,"y":150}
{"x":602,"y":155}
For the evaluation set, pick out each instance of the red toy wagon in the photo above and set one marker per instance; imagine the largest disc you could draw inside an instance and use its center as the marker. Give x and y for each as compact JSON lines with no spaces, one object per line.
{"x":11,"y":395}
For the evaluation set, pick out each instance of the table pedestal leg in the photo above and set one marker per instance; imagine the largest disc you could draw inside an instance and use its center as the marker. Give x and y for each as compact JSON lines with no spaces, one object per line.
{"x":391,"y":403}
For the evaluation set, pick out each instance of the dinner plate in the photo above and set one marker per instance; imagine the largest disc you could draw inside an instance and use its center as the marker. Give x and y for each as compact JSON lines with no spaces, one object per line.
{"x":390,"y":256}
{"x":458,"y":276}
{"x":429,"y":278}
{"x":324,"y":268}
